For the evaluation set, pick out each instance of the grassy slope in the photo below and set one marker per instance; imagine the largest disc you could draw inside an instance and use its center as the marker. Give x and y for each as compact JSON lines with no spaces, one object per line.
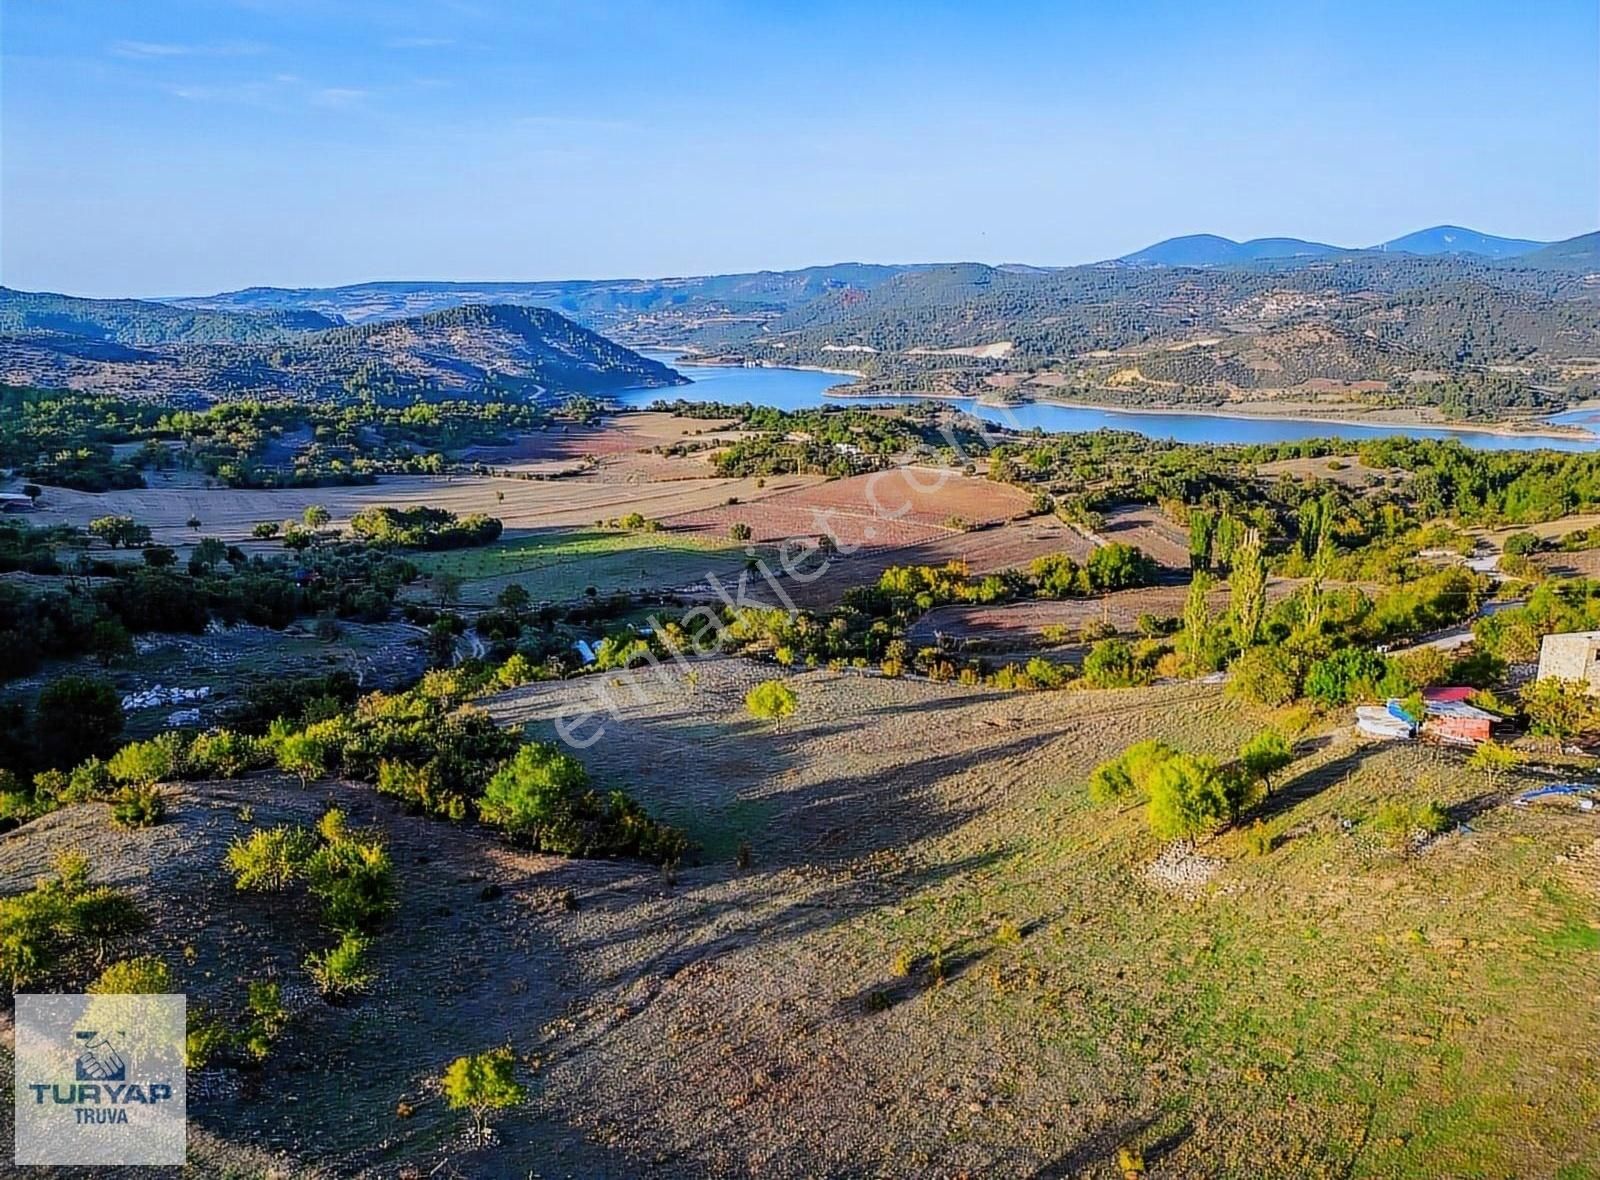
{"x":1335,"y":1008}
{"x":562,"y":565}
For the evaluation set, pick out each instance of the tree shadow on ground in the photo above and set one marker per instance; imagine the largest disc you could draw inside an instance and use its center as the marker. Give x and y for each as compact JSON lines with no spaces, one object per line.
{"x":1291,"y":792}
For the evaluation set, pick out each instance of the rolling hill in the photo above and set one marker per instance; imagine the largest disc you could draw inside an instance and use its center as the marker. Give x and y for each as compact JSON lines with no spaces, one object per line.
{"x":1579,"y":253}
{"x":142,"y":322}
{"x":1453,"y":239}
{"x":460,"y":352}
{"x":1211,"y":250}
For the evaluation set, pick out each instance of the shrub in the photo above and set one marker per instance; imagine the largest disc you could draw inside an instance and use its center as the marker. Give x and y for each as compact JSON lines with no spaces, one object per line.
{"x":142,"y":976}
{"x":265,"y":1018}
{"x":206,"y":1038}
{"x":88,"y":780}
{"x":143,"y":764}
{"x":1521,"y":544}
{"x":533,"y":798}
{"x":223,"y":753}
{"x":1258,"y":841}
{"x":1128,"y":775}
{"x":1111,"y":664}
{"x":304,"y":755}
{"x":138,"y":807}
{"x":482,"y":1083}
{"x":771,"y":700}
{"x":739,"y":531}
{"x":1264,"y":755}
{"x":352,"y":877}
{"x":1188,"y":798}
{"x":1355,"y":674}
{"x":57,"y":917}
{"x":270,"y":859}
{"x":341,"y":970}
{"x":1491,"y":759}
{"x":1558,"y":708}
{"x":1401,"y":819}
{"x":76,"y":717}
{"x":1265,"y":675}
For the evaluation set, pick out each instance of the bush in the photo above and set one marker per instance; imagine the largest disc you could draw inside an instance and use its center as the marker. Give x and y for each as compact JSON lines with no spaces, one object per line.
{"x":1188,"y":798}
{"x":771,"y":700}
{"x":1355,"y":674}
{"x":138,"y":807}
{"x":206,"y":1038}
{"x":341,"y":970}
{"x":1127,"y":776}
{"x":223,"y":753}
{"x":142,"y":976}
{"x":1402,"y":819}
{"x":1265,"y":676}
{"x":76,"y":717}
{"x":739,"y":531}
{"x":60,"y":916}
{"x":270,"y":859}
{"x":1264,"y":755}
{"x":143,"y":764}
{"x":1111,"y":664}
{"x":302,"y":754}
{"x":1521,"y":544}
{"x":482,"y":1083}
{"x":351,"y":876}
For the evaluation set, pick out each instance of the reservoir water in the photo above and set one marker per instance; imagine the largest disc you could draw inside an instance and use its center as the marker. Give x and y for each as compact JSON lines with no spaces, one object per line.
{"x":801,"y":389}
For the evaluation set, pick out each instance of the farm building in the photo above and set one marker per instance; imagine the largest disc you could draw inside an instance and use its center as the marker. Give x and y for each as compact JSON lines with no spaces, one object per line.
{"x":15,"y":502}
{"x":1574,"y":655}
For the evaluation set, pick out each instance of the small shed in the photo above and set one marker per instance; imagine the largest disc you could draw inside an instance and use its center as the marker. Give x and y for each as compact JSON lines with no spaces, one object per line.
{"x":15,"y":502}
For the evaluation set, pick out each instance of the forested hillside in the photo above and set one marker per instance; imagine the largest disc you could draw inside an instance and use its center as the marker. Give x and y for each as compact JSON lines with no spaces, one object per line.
{"x":466,"y":351}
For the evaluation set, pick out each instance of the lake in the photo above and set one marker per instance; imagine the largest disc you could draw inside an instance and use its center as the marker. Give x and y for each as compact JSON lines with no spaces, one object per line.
{"x":803,"y":389}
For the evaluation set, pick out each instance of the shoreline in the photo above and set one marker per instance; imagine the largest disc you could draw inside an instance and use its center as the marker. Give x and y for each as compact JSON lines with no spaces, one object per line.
{"x":1571,"y":434}
{"x":842,"y":391}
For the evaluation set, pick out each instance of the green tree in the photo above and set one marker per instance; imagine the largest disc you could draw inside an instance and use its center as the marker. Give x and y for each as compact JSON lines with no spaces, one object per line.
{"x":1263,"y":755}
{"x":1492,"y":760}
{"x":1247,"y":581}
{"x":533,"y":798}
{"x":316,"y":517}
{"x":76,"y":717}
{"x":1266,"y":675}
{"x":208,"y":553}
{"x":1558,"y":708}
{"x":1197,"y":641}
{"x":771,"y":700}
{"x":482,"y":1083}
{"x":1188,"y":798}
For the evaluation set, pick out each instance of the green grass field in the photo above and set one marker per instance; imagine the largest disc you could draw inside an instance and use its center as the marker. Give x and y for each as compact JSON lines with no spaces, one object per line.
{"x":559,"y":564}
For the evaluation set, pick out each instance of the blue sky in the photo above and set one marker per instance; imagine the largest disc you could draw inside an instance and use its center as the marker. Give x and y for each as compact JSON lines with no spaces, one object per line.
{"x":170,"y":147}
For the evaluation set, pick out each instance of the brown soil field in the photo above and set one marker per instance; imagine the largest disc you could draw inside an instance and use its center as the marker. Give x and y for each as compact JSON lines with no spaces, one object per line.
{"x":1021,"y":622}
{"x":898,"y":506}
{"x":1345,"y":469}
{"x":939,"y":961}
{"x":1007,"y":546}
{"x":1147,"y":527}
{"x":617,"y":435}
{"x":528,"y":504}
{"x":1582,"y":563}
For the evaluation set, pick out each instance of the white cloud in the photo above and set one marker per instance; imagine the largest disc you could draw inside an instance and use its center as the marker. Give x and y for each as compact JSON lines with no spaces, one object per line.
{"x":165,"y":49}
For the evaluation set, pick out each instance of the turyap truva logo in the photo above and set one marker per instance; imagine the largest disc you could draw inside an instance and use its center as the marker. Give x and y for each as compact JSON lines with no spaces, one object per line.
{"x":99,"y":1080}
{"x":101,"y":1092}
{"x":99,"y":1062}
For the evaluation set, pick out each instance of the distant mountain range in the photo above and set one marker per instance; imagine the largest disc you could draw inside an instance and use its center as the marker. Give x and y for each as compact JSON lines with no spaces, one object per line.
{"x":1446,"y":316}
{"x":1211,"y":250}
